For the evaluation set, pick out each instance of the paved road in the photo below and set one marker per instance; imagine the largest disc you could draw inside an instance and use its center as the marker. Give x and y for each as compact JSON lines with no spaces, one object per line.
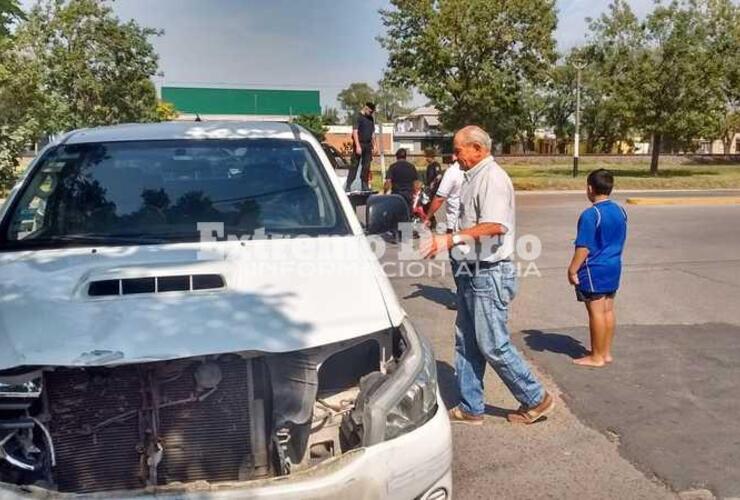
{"x":662,"y":418}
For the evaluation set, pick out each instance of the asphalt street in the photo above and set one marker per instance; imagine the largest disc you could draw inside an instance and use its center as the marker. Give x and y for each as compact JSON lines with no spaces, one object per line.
{"x":662,"y":419}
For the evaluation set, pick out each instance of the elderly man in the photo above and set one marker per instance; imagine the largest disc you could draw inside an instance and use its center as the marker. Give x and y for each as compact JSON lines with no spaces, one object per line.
{"x":487,"y":283}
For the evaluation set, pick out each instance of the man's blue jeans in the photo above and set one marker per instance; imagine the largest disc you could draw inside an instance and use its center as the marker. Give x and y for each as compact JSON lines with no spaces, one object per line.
{"x":481,"y":336}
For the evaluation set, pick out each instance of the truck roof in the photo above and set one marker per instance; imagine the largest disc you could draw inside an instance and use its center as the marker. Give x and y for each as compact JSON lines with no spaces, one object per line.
{"x":184,"y":130}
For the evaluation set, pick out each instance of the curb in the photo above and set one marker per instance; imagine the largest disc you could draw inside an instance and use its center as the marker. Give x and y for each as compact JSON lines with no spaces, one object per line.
{"x":687,"y":201}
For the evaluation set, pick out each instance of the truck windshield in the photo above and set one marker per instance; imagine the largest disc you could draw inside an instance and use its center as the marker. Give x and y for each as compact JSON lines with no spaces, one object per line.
{"x":158,"y":191}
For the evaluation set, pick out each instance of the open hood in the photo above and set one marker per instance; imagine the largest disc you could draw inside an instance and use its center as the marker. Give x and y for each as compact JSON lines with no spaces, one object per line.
{"x":276,"y":296}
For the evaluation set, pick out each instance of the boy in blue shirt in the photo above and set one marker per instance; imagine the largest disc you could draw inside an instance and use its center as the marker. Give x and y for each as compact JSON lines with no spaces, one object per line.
{"x":597,"y":264}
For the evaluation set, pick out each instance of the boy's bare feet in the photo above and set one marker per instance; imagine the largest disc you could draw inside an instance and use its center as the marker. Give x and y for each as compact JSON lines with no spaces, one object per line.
{"x":608,"y":358}
{"x":590,"y":361}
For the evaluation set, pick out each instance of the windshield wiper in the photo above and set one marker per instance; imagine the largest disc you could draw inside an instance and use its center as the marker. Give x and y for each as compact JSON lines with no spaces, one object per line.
{"x":126,"y":239}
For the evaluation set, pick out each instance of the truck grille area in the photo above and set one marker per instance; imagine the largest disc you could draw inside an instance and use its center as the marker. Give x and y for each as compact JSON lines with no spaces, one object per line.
{"x":151,"y":424}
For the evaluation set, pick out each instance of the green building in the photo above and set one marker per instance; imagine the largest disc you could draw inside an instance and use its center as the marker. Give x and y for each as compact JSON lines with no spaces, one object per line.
{"x":225,"y":104}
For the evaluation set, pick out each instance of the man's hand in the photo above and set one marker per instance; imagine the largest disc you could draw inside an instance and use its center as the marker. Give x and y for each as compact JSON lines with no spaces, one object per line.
{"x":358,"y":150}
{"x":438,"y":243}
{"x":573,"y":278}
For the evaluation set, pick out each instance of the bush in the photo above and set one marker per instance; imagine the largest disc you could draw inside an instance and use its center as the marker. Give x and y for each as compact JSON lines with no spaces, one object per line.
{"x":314,"y":124}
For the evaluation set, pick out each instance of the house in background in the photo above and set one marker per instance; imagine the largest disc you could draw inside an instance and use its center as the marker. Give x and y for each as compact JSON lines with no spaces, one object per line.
{"x":211,"y":103}
{"x":421,"y":129}
{"x":545,"y":143}
{"x":717,"y":147}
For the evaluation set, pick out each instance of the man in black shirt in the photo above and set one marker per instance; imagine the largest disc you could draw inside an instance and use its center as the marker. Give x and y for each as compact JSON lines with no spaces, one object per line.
{"x":433,"y":173}
{"x":401,"y":176}
{"x":432,"y":179}
{"x":363,"y":143}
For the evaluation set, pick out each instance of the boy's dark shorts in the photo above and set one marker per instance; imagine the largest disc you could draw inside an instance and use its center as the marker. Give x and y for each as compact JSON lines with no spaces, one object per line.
{"x":589,"y":296}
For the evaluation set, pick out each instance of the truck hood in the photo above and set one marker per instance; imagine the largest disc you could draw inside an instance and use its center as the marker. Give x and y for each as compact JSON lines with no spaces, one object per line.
{"x":279,"y":296}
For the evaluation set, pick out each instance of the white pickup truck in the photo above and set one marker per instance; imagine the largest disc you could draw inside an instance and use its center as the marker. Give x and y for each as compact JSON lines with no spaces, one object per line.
{"x":192,"y":310}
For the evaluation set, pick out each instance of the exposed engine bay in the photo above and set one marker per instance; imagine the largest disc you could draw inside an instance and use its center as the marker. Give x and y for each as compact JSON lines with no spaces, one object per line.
{"x":227,"y":417}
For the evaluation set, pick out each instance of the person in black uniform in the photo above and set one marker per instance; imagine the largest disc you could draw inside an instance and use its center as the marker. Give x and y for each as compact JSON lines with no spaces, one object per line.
{"x":432,"y":179}
{"x":400,"y":177}
{"x":433,"y":172}
{"x":363,"y":143}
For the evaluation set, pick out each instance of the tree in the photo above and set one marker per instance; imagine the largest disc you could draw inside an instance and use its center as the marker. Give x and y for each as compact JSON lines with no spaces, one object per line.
{"x":330,"y":116}
{"x":729,"y":127}
{"x":10,"y":12}
{"x":609,"y":92}
{"x":392,"y":101}
{"x":661,"y":72}
{"x":165,"y":111}
{"x":354,"y":97}
{"x":95,"y":69}
{"x":607,"y":103}
{"x":561,"y":104}
{"x":18,"y":95}
{"x":531,"y":111}
{"x":72,"y":64}
{"x":20,"y":98}
{"x":314,"y":124}
{"x":471,"y":58}
{"x":724,"y":39}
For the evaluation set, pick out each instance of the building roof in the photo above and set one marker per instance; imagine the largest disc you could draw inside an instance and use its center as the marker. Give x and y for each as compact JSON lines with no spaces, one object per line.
{"x":225,"y":101}
{"x":183,"y":130}
{"x":425,"y":111}
{"x":432,"y":121}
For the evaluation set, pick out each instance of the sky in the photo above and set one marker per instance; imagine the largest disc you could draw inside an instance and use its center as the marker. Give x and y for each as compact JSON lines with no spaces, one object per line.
{"x":290,"y":44}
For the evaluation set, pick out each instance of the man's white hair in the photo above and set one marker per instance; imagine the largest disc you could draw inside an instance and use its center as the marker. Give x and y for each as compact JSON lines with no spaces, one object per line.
{"x":472,"y":134}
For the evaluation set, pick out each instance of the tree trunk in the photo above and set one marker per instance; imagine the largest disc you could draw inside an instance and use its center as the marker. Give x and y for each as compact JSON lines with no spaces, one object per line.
{"x":727,"y":145}
{"x":657,"y":141}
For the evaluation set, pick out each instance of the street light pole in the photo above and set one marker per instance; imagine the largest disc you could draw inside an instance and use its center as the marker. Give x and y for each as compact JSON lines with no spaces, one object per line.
{"x":577,"y":146}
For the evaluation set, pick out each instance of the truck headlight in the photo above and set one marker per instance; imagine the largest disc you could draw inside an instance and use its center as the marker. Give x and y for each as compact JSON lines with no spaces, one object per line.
{"x":408,"y":398}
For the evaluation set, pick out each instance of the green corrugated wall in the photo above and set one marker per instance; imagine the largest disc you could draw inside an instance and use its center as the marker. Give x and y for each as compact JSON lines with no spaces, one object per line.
{"x":213,"y":101}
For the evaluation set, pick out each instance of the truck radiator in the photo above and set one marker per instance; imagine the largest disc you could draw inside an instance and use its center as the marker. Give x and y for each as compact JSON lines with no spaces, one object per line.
{"x":156,"y":423}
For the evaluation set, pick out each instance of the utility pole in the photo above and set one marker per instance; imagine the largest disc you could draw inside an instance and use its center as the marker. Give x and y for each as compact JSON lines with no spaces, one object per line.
{"x":577,"y":146}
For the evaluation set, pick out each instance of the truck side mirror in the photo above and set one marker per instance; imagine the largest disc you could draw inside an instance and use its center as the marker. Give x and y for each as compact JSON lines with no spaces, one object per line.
{"x":383,"y":213}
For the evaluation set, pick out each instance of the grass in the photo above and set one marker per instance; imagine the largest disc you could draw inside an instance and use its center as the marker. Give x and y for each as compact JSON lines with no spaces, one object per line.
{"x":557,"y":174}
{"x":627,"y":176}
{"x":530,"y":174}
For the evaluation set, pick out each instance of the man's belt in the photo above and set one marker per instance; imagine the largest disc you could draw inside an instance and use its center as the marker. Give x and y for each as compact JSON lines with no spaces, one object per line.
{"x":482,"y":264}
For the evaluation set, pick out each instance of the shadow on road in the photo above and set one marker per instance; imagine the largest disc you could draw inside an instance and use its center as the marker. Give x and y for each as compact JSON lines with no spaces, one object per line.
{"x":440,"y":295}
{"x":557,"y":343}
{"x":451,"y":396}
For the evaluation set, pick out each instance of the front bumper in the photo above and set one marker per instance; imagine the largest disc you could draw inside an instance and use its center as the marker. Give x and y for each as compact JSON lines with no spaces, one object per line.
{"x":412,"y":466}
